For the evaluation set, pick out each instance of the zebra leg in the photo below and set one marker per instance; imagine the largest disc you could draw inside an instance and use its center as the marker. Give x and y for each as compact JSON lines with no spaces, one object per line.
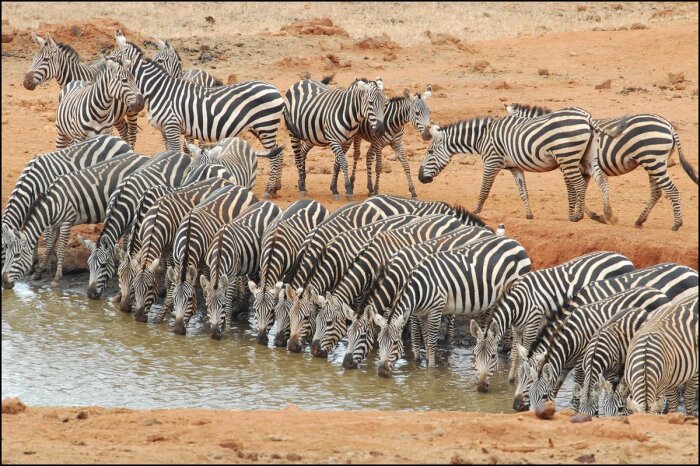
{"x":356,"y":154}
{"x":62,"y":140}
{"x":691,"y":389}
{"x":300,"y":150}
{"x":339,"y":151}
{"x":578,"y":378}
{"x":185,"y":148}
{"x":133,"y":128}
{"x":489,"y":177}
{"x":522,"y":189}
{"x":50,"y":236}
{"x":171,"y":136}
{"x":400,"y":154}
{"x":654,"y":197}
{"x":601,"y":180}
{"x":665,"y":183}
{"x":430,"y":325}
{"x":61,"y":244}
{"x":123,"y":130}
{"x":377,"y":168}
{"x":575,"y":187}
{"x":369,"y":162}
{"x":415,"y":337}
{"x":450,"y":329}
{"x":514,"y":354}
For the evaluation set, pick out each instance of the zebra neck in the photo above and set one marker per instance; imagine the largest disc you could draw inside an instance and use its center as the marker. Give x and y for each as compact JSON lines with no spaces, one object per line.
{"x":49,"y":211}
{"x":69,"y":70}
{"x":468,"y":136}
{"x":151,"y":80}
{"x":397,"y":114}
{"x":101,"y":101}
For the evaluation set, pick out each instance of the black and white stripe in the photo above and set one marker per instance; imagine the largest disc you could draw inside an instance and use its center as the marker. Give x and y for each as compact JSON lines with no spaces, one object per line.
{"x":169,"y":59}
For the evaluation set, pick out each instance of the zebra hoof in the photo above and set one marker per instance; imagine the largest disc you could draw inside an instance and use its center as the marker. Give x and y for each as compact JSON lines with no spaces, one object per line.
{"x":676,"y":226}
{"x":336,"y":197}
{"x":302,"y":193}
{"x":266,"y":196}
{"x":55,"y":283}
{"x":638,"y":224}
{"x":414,"y":195}
{"x":348,"y":197}
{"x":529,"y":216}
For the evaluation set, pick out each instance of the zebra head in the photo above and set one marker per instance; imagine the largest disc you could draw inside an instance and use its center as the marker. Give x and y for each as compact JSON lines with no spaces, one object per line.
{"x":168,"y":58}
{"x":542,"y":386}
{"x":525,"y":111}
{"x":360,"y":338}
{"x":215,"y":298}
{"x":264,"y":301}
{"x":302,"y":317}
{"x":45,"y":65}
{"x":201,"y":156}
{"x":100,"y":264}
{"x":389,"y":341}
{"x":419,"y":111}
{"x":612,"y":401}
{"x":521,"y":400}
{"x":125,"y":273}
{"x":373,"y":104}
{"x":485,"y":353}
{"x":184,"y":298}
{"x":122,"y":86}
{"x":282,"y":319}
{"x":588,"y":398}
{"x":18,"y":260}
{"x":330,"y":324}
{"x":437,"y":157}
{"x":145,"y":287}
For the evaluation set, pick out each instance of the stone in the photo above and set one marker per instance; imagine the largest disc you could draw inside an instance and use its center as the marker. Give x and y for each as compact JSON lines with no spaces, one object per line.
{"x":604,"y":85}
{"x":11,"y":405}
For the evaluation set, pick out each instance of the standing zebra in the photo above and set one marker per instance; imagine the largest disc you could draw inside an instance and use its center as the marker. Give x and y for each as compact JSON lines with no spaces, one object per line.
{"x":44,"y":169}
{"x":239,"y":158}
{"x":449,"y":282}
{"x":399,"y":111}
{"x":209,"y":114}
{"x":75,"y":198}
{"x":87,"y":109}
{"x":191,"y":241}
{"x":604,"y":358}
{"x":331,"y":118}
{"x":390,"y":279}
{"x":157,"y":231}
{"x":62,"y":62}
{"x":676,"y":281}
{"x":568,"y":337}
{"x":235,"y":251}
{"x":663,"y":355}
{"x":167,"y":168}
{"x":280,"y":244}
{"x":557,"y":140}
{"x":169,"y":59}
{"x":532,"y":300}
{"x":647,"y":141}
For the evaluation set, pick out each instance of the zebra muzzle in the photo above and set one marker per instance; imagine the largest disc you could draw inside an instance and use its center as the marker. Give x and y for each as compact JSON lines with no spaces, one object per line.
{"x":384,"y":369}
{"x":349,"y":362}
{"x":215,"y":333}
{"x":6,"y":282}
{"x":29,"y":82}
{"x":262,"y":337}
{"x":294,"y":345}
{"x":92,"y":292}
{"x":378,"y":129}
{"x":281,"y":339}
{"x":422,"y":178}
{"x":179,"y":327}
{"x":137,"y":105}
{"x":316,"y":350}
{"x":519,"y":405}
{"x":426,"y":134}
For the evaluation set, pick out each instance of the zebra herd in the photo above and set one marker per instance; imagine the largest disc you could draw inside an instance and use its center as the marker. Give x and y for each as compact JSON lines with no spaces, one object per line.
{"x":95,"y":97}
{"x":380,"y":273}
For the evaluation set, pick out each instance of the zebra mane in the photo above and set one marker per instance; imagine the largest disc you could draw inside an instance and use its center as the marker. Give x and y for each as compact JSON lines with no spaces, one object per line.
{"x":33,"y":205}
{"x":68,"y":51}
{"x":148,"y":60}
{"x":183,"y":264}
{"x":545,"y":336}
{"x":534,"y":108}
{"x":466,"y":121}
{"x":379,"y":275}
{"x":472,"y":219}
{"x":217,"y":81}
{"x":397,"y":98}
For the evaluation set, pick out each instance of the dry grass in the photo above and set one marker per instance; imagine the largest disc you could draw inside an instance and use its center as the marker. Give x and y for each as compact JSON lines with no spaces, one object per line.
{"x":403,"y":22}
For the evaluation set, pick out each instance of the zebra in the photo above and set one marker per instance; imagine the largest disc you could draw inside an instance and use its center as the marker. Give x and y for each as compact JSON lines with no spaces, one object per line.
{"x":648,"y":140}
{"x":74,"y":198}
{"x":354,"y":283}
{"x":531,"y":300}
{"x":663,"y":355}
{"x":157,"y":231}
{"x":390,"y":278}
{"x":569,"y":336}
{"x":87,"y":109}
{"x":399,"y":111}
{"x":558,"y":139}
{"x":241,"y":160}
{"x":61,"y":61}
{"x":676,"y":281}
{"x":190,"y":244}
{"x":605,"y":356}
{"x":280,"y":244}
{"x":448,"y":282}
{"x":331,"y":117}
{"x":208,"y":114}
{"x":611,"y":401}
{"x":234,"y":251}
{"x":166,"y":168}
{"x":169,"y":59}
{"x":44,"y":169}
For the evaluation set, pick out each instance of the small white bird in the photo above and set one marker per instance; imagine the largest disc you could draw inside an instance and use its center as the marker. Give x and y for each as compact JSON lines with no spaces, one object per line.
{"x":501,"y":230}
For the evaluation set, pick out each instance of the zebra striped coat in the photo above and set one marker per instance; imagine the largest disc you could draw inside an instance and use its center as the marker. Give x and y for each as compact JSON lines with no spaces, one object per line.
{"x":41,"y":171}
{"x":556,"y":140}
{"x":450,"y":282}
{"x":532,"y":300}
{"x":87,"y":109}
{"x":234,"y":252}
{"x":663,"y":355}
{"x":280,"y":244}
{"x":75,"y":198}
{"x":167,"y":168}
{"x":62,"y":62}
{"x":191,"y":241}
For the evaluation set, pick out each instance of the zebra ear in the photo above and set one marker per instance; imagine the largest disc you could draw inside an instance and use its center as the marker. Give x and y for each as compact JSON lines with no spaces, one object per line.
{"x":161,"y":45}
{"x":291,"y":294}
{"x":41,"y":42}
{"x":223,"y":281}
{"x":253,"y":289}
{"x":50,"y":41}
{"x":191,"y":274}
{"x":540,"y":357}
{"x":154,"y":265}
{"x":203,"y":282}
{"x":602,"y":385}
{"x":632,"y":406}
{"x":321,"y":301}
{"x":362,"y":85}
{"x":112,"y":65}
{"x":623,"y":388}
{"x":215,"y":151}
{"x":121,"y":40}
{"x":406,"y":93}
{"x":278,"y":287}
{"x":194,"y":150}
{"x":379,"y":320}
{"x":476,"y":330}
{"x":576,"y":390}
{"x":428,"y":92}
{"x":522,"y":352}
{"x":548,"y":371}
{"x":118,"y":253}
{"x":492,"y":329}
{"x":380,"y":83}
{"x":531,"y":372}
{"x":435,"y":132}
{"x":89,"y":245}
{"x":170,"y":273}
{"x":349,"y":313}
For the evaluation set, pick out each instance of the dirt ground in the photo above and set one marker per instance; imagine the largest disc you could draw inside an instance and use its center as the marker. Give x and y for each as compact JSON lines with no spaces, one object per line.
{"x":470,"y":77}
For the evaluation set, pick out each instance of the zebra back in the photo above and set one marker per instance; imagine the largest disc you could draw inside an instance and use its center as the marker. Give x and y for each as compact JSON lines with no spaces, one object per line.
{"x":236,"y":155}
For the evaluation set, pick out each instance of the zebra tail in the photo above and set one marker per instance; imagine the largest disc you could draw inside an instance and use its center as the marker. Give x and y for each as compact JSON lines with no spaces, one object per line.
{"x":614,"y":132}
{"x":684,"y":162}
{"x":271,"y":154}
{"x":328,"y":79}
{"x":290,"y":126}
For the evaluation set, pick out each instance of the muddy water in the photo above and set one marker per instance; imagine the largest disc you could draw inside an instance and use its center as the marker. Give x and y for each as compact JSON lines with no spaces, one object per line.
{"x":61,"y":349}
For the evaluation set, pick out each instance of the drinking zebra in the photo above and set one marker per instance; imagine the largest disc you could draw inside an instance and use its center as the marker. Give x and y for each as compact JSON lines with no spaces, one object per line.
{"x":331,"y":117}
{"x":532,"y":300}
{"x":61,"y":61}
{"x":663,"y":355}
{"x":280,"y":244}
{"x":234,"y":252}
{"x":74,"y":198}
{"x":647,"y":141}
{"x":42,"y":170}
{"x":399,"y":111}
{"x":557,"y":140}
{"x":190,"y":244}
{"x":169,"y":59}
{"x":466,"y":281}
{"x":167,"y":168}
{"x":87,"y":109}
